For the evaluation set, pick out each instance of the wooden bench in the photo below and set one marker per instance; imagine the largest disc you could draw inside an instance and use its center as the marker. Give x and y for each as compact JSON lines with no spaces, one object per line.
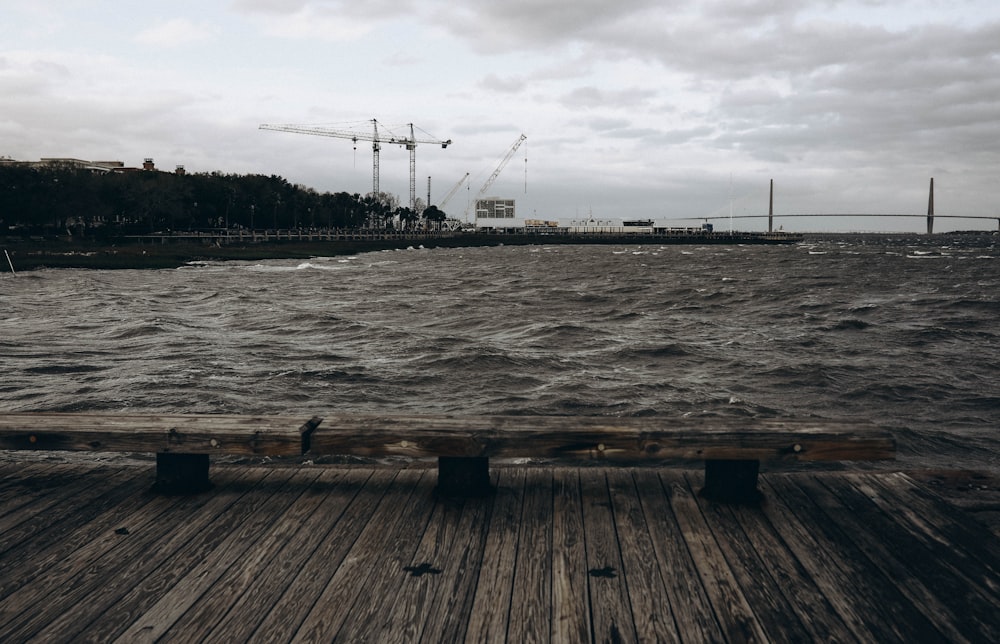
{"x":731,"y":448}
{"x":183,"y":443}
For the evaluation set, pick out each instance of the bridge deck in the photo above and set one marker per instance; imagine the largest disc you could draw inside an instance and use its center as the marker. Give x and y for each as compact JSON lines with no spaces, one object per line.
{"x":561,"y":553}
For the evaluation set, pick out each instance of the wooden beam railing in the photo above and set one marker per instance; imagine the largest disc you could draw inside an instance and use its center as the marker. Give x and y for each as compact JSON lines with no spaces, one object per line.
{"x":731,"y":448}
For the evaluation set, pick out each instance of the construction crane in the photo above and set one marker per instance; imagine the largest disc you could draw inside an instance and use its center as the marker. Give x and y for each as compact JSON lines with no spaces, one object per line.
{"x":451,"y":193}
{"x":496,"y":173}
{"x":410,"y":143}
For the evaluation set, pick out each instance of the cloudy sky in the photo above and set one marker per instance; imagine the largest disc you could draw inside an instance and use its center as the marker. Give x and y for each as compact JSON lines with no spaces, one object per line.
{"x":658,"y":109}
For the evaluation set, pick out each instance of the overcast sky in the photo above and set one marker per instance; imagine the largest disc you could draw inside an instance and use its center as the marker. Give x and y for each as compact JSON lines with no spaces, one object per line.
{"x":658,"y":109}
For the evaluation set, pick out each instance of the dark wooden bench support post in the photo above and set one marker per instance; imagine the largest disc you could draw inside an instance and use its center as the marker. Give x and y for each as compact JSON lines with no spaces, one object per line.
{"x":731,"y":481}
{"x":181,"y":473}
{"x":464,"y":476}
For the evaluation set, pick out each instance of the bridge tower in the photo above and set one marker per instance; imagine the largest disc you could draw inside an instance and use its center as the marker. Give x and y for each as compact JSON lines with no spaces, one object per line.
{"x":930,"y":210}
{"x":770,"y":209}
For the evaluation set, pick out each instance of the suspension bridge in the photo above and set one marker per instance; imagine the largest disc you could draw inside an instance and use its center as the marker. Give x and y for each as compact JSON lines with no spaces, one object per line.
{"x":770,"y":216}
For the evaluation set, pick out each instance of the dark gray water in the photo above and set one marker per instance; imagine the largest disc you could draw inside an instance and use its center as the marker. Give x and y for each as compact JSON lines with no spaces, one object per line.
{"x":900,"y":331}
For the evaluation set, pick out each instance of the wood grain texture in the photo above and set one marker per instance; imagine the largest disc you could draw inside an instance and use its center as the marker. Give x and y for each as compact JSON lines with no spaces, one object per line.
{"x":693,"y":613}
{"x":732,"y":606}
{"x":531,"y":596}
{"x":610,"y":609}
{"x":374,"y":563}
{"x":180,"y":433}
{"x":599,"y":438}
{"x":959,"y":601}
{"x":218,"y":579}
{"x":349,"y":510}
{"x":570,"y":615}
{"x":458,"y":553}
{"x":324,"y":501}
{"x":102,"y":572}
{"x":651,"y":604}
{"x":442,"y":435}
{"x":807,"y":603}
{"x":874,"y":609}
{"x":491,"y":607}
{"x":369,"y":553}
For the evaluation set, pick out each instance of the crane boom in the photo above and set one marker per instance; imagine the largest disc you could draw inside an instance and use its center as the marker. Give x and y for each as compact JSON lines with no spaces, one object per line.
{"x":409,"y":142}
{"x":496,"y":173}
{"x":503,"y":164}
{"x":451,"y":193}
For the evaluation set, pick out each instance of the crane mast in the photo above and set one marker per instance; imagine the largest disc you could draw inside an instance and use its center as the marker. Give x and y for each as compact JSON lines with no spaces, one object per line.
{"x":409,"y":142}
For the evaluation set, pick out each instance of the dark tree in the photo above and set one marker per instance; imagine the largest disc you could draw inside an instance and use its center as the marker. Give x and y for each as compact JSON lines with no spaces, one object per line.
{"x":59,"y":201}
{"x":434,"y":216}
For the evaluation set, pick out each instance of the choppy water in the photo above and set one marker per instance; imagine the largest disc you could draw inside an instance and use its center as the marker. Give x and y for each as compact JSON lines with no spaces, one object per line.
{"x":900,"y":331}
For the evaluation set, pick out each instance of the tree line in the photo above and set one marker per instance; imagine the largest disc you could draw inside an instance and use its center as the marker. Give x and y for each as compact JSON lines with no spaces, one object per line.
{"x":41,"y":200}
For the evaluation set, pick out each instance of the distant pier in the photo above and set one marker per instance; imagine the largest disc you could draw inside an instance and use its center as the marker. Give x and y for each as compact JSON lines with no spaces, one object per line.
{"x":470,"y":238}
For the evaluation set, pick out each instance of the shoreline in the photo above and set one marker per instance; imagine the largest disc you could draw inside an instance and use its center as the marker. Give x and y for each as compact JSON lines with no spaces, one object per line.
{"x":153,"y":252}
{"x":164,"y":252}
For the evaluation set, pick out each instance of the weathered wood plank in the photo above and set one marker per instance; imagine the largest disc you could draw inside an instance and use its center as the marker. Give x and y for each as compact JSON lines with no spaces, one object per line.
{"x":418,"y":581}
{"x":401,"y":585}
{"x":693,"y":614}
{"x":215,"y":583}
{"x":26,"y":486}
{"x":923,"y":510}
{"x":452,"y":439}
{"x":240,"y":491}
{"x":440,"y":586}
{"x":379,"y":551}
{"x":794,"y":524}
{"x":130,"y":589}
{"x":570,"y":612}
{"x":354,"y":506}
{"x":12,"y":477}
{"x":448,"y":616}
{"x":808,"y":603}
{"x":93,"y":505}
{"x":735,"y":615}
{"x":599,"y":437}
{"x":101,"y":569}
{"x":855,"y":556}
{"x":929,"y":571}
{"x":609,"y":606}
{"x":204,"y":591}
{"x":867,"y":600}
{"x":167,"y":433}
{"x":770,"y":606}
{"x":651,"y":604}
{"x":488,"y":620}
{"x":35,"y":516}
{"x":531,"y":597}
{"x":327,"y":497}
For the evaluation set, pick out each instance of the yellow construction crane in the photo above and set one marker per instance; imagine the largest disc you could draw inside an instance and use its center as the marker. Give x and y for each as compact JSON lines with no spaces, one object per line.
{"x":409,"y":142}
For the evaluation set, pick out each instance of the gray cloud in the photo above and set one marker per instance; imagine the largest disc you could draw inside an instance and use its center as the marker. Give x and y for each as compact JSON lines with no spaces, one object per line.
{"x":594,"y":97}
{"x":669,"y":98}
{"x":538,"y":24}
{"x":505,"y":85}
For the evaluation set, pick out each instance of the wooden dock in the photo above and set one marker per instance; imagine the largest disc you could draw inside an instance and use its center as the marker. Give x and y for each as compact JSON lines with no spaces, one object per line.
{"x":563,"y":554}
